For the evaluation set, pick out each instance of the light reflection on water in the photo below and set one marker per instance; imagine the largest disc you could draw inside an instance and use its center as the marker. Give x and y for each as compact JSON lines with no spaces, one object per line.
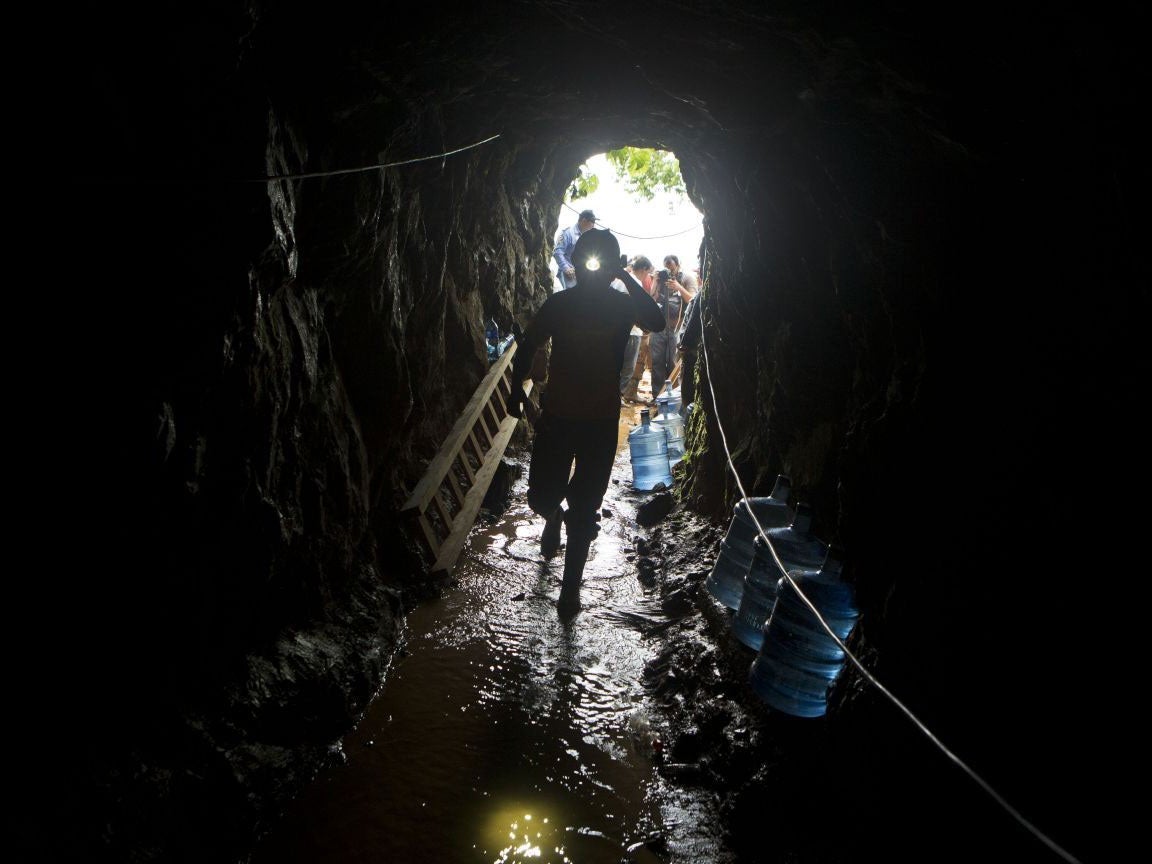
{"x":527,"y":837}
{"x":504,"y":735}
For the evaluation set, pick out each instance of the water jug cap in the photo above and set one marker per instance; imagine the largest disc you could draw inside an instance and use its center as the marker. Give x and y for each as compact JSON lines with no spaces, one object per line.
{"x":644,"y":416}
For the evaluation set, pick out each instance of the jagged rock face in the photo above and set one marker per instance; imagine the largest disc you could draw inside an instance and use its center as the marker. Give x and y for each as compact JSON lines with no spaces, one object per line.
{"x":919,"y":305}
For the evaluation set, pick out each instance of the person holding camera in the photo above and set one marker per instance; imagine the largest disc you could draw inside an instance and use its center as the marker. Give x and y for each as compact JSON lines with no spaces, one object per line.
{"x":674,"y":289}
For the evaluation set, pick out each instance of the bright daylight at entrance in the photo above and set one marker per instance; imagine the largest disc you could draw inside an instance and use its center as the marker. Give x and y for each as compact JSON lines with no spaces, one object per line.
{"x":638,"y":194}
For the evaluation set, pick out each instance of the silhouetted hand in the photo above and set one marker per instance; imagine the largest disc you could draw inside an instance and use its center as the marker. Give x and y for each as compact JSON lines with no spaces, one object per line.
{"x":517,"y":400}
{"x":627,"y":277}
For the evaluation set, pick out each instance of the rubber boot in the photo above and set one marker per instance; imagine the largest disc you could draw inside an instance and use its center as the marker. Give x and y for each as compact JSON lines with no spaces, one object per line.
{"x":550,"y":539}
{"x":575,"y":555}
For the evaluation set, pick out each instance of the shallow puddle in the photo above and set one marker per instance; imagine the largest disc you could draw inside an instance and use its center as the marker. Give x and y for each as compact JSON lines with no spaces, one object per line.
{"x":508,"y":734}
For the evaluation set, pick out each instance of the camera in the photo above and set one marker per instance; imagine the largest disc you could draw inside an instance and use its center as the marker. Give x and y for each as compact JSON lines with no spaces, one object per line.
{"x":663,"y":276}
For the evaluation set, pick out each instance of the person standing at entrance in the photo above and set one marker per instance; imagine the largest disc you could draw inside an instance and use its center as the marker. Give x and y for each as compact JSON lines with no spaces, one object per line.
{"x":565,"y":243}
{"x":588,"y":326}
{"x":641,"y":268}
{"x":631,"y":390}
{"x":687,"y":345}
{"x":674,"y":288}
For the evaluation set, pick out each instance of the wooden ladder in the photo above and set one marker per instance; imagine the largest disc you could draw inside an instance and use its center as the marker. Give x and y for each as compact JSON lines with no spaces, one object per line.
{"x":446,"y":500}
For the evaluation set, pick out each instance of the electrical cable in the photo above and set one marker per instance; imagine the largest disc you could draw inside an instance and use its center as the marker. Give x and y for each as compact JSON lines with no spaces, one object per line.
{"x":980,"y":781}
{"x":633,"y":236}
{"x":371,"y":167}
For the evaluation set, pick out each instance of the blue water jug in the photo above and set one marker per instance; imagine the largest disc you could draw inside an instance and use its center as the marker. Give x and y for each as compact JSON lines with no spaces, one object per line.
{"x":674,"y":424}
{"x":648,"y":446}
{"x":799,"y":662}
{"x":726,"y":581}
{"x":669,"y":400}
{"x":798,"y":550}
{"x":492,"y":337}
{"x":502,"y":346}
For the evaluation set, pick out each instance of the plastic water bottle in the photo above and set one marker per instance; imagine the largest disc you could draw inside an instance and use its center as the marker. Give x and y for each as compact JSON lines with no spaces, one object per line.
{"x":799,"y":662}
{"x":492,"y":337}
{"x":726,"y":581}
{"x":674,"y":423}
{"x":648,"y":447}
{"x":798,"y":550}
{"x":668,"y":401}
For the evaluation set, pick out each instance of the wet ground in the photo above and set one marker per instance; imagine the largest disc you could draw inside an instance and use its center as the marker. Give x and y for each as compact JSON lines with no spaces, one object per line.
{"x":507,"y":733}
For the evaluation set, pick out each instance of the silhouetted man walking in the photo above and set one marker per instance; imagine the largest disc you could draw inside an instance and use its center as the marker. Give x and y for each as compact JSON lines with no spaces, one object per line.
{"x":589,"y":326}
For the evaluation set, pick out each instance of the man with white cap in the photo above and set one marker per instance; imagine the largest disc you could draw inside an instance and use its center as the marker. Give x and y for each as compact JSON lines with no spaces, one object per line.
{"x":565,"y":243}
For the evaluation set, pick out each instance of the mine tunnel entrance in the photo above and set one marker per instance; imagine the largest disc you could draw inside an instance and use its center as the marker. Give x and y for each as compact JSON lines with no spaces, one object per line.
{"x":639,"y":195}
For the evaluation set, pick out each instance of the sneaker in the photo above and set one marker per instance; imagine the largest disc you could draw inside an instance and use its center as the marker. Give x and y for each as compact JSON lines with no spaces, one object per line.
{"x":550,"y":539}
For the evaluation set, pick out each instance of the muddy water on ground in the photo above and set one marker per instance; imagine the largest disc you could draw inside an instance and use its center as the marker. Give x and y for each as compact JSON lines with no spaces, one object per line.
{"x":509,"y":734}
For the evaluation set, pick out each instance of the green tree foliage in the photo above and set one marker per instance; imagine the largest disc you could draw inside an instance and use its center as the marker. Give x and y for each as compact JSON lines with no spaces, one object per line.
{"x":645,"y":170}
{"x":584,"y":185}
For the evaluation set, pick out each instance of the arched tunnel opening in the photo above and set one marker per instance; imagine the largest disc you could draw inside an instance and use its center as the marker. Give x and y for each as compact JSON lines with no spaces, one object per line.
{"x":643,"y":199}
{"x":924,"y":302}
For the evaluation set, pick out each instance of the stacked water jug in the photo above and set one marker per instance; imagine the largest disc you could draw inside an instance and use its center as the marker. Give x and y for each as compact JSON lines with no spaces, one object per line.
{"x":668,"y":400}
{"x":673,"y":423}
{"x":797,"y":549}
{"x":648,"y":448}
{"x":797,"y":660}
{"x":726,"y":581}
